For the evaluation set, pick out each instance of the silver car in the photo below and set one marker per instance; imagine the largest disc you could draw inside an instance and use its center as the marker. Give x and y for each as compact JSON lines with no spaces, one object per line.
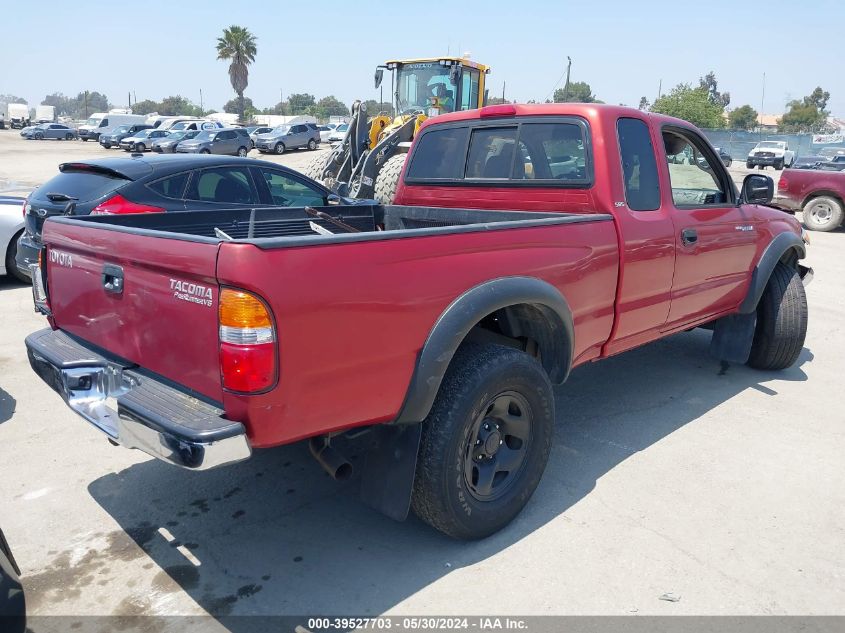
{"x":50,"y":130}
{"x":167,"y":145}
{"x":232,"y":141}
{"x":287,"y":137}
{"x":141,"y":141}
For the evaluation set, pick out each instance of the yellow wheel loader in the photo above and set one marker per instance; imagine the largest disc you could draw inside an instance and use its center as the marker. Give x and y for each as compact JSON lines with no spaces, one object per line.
{"x":369,"y":160}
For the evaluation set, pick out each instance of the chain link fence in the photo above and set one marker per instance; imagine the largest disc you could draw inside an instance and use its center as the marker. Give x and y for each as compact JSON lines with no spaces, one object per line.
{"x":738,"y":143}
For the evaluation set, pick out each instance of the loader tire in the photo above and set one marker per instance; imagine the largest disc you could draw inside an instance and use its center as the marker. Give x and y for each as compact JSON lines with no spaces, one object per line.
{"x":781,"y":321}
{"x":387,"y":180}
{"x":315,"y":167}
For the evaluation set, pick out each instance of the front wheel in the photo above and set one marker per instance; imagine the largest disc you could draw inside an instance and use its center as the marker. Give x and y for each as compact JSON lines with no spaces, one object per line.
{"x":39,"y":136}
{"x":205,"y":151}
{"x":485,"y":442}
{"x":387,"y":180}
{"x":140,"y":147}
{"x":280,"y":148}
{"x":749,"y":164}
{"x":312,"y":144}
{"x":823,"y":214}
{"x":781,"y":321}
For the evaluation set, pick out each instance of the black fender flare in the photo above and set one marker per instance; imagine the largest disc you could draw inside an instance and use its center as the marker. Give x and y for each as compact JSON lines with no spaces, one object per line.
{"x":774,"y":252}
{"x":462,"y":315}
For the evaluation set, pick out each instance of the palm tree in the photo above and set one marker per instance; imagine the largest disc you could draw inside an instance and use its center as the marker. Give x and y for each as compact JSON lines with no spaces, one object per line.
{"x":237,"y":45}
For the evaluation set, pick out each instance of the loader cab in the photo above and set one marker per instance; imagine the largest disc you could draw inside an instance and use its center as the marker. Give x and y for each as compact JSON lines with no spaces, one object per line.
{"x":437,"y":86}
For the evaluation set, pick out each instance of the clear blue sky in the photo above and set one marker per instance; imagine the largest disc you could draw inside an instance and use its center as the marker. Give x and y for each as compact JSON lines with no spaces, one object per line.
{"x":622,"y":49}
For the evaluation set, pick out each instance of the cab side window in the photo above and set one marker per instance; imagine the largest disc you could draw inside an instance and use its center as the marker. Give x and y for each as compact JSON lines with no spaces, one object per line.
{"x":696,"y":181}
{"x":639,"y":167}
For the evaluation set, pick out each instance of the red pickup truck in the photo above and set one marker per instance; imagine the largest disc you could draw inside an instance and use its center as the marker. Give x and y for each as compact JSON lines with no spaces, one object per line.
{"x":527,"y":240}
{"x":820,"y":194}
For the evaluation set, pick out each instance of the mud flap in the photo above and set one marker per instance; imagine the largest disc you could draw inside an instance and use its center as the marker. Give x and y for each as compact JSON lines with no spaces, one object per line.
{"x":732,"y":337}
{"x":388,"y":475}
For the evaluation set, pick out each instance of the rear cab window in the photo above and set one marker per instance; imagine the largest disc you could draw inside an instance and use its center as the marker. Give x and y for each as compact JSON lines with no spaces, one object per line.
{"x":531,"y":151}
{"x":639,"y":166}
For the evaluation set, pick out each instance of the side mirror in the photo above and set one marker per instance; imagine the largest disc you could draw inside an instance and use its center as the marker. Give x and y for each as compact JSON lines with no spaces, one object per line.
{"x":378,"y":77}
{"x":757,"y":189}
{"x":333,"y":198}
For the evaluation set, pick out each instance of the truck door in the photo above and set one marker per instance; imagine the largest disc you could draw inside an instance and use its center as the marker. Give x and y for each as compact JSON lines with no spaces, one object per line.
{"x":647,"y":245}
{"x":716,"y":240}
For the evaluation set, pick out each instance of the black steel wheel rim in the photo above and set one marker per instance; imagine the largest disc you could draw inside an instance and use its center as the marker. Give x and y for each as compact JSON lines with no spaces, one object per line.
{"x":497,"y":446}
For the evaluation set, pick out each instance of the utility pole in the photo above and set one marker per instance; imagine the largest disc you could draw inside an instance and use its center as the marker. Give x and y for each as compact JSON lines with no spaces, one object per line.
{"x":202,"y":110}
{"x":504,"y":83}
{"x":86,"y":105}
{"x":660,"y":88}
{"x":281,"y":101}
{"x":566,"y":85}
{"x":762,"y":104}
{"x":129,"y":98}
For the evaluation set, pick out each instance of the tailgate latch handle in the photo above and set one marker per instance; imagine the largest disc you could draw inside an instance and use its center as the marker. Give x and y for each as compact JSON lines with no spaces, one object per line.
{"x":113,"y":279}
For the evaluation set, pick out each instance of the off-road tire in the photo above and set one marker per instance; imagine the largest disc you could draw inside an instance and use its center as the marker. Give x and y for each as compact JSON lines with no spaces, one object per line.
{"x":315,"y":167}
{"x":441,"y":495}
{"x":387,"y":180}
{"x":781,"y":321}
{"x":833,"y":211}
{"x":11,"y":267}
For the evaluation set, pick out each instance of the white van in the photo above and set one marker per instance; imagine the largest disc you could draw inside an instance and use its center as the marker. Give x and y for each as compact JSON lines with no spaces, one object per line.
{"x":105,"y":122}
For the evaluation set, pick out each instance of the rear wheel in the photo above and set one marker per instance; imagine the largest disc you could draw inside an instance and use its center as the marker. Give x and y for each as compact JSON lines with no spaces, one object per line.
{"x":11,"y":253}
{"x":749,"y":164}
{"x":242,"y":151}
{"x":823,"y":214}
{"x":69,"y":137}
{"x":279,"y":148}
{"x":387,"y":180}
{"x":485,"y":442}
{"x":781,"y":321}
{"x":779,"y":164}
{"x":312,"y":144}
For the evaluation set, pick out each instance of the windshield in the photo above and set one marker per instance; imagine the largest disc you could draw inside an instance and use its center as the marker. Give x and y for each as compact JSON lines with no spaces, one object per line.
{"x":281,"y":129}
{"x":178,"y":134}
{"x":205,"y":135}
{"x":94,"y":120}
{"x":121,"y":128}
{"x":342,"y":128}
{"x":774,"y":144}
{"x":418,"y":84}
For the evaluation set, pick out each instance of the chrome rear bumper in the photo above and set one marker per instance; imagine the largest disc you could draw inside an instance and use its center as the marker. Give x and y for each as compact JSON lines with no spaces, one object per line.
{"x":134,"y":409}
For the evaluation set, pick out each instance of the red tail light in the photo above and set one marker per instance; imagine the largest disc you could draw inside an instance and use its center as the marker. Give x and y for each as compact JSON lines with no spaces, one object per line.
{"x":783,"y":183}
{"x":247,"y":342}
{"x":24,"y":207}
{"x":119,"y":204}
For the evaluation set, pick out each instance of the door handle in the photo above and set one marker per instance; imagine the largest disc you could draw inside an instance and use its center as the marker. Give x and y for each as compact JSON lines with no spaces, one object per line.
{"x":689,"y":237}
{"x":113,"y":279}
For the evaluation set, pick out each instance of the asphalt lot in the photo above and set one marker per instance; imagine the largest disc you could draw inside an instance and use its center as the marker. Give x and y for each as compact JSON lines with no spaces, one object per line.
{"x":670,"y":473}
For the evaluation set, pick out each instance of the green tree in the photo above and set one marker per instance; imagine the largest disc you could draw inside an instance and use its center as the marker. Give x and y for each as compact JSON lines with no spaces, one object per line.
{"x":146,"y":107}
{"x":330,"y":106}
{"x":743,"y":118}
{"x":300,"y":104}
{"x":576,"y":92}
{"x":238,"y":47}
{"x":233,"y":107}
{"x":711,"y":85}
{"x":12,"y":99}
{"x":64,"y":105}
{"x":177,"y":104}
{"x":807,"y":115}
{"x":691,"y":104}
{"x":644,"y":104}
{"x":374,"y":107}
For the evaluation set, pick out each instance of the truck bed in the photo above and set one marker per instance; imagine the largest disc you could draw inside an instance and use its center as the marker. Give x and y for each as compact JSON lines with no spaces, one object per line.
{"x":283,"y":227}
{"x":352,"y":309}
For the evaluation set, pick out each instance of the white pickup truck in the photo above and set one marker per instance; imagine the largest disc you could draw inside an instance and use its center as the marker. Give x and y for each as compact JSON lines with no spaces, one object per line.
{"x":774,"y":153}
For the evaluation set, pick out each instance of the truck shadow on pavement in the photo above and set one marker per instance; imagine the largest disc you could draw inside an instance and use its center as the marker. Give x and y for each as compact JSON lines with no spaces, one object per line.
{"x":7,"y":405}
{"x":276,"y":536}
